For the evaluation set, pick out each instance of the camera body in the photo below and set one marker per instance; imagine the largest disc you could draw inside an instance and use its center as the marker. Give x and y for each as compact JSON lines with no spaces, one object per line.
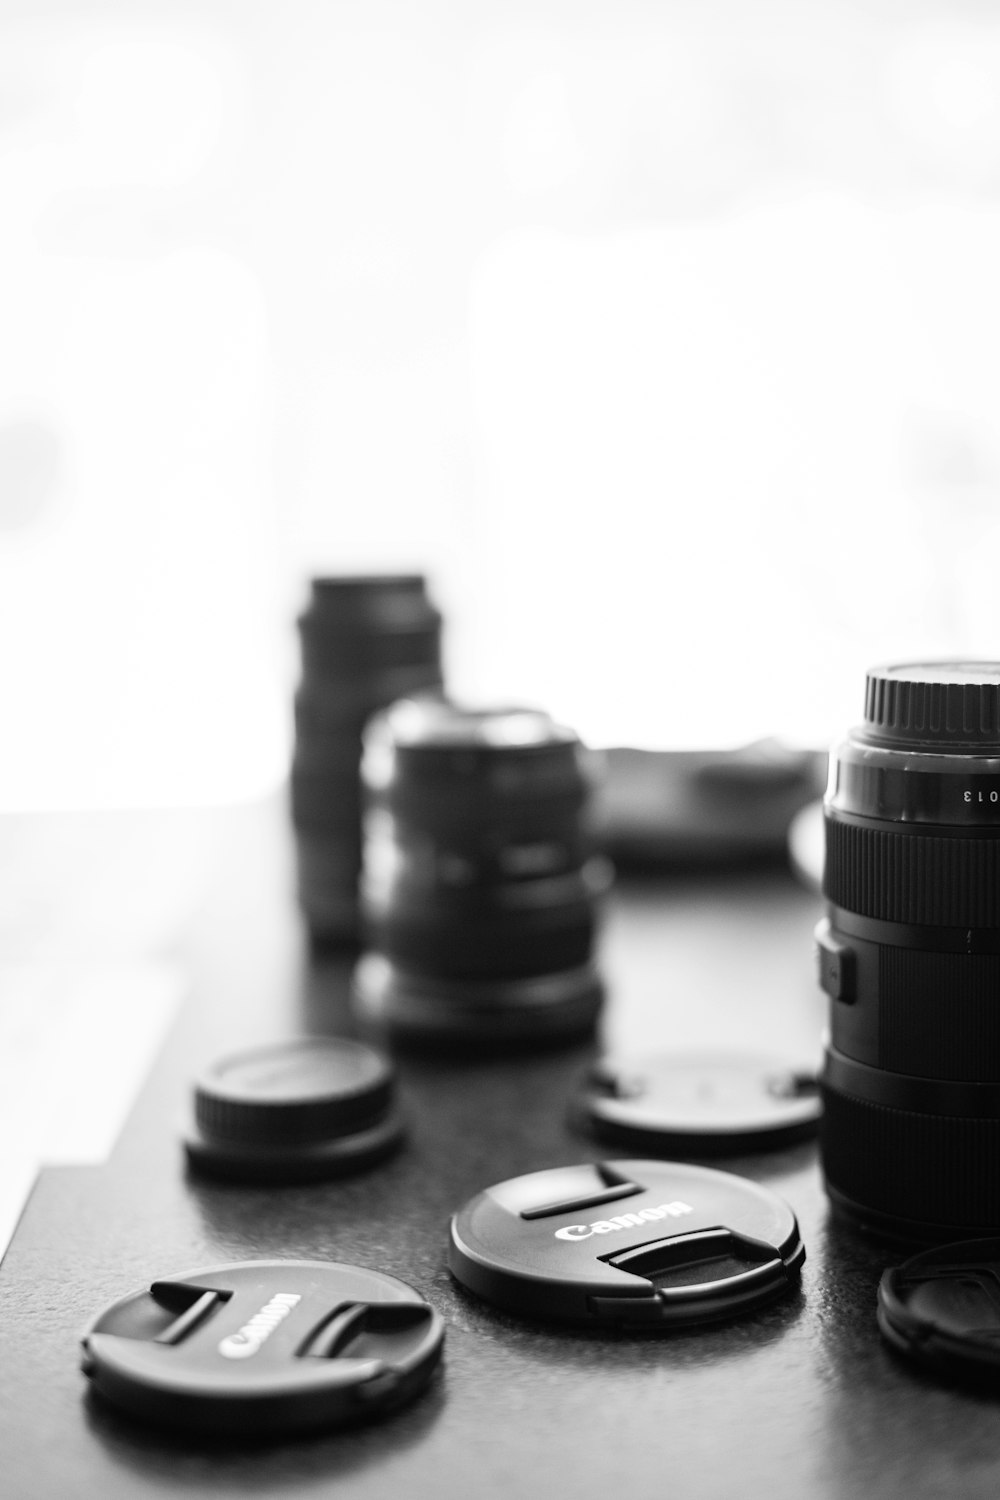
{"x":909,"y":954}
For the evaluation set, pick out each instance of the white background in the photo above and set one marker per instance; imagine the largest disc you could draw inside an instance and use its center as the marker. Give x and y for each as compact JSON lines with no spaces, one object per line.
{"x":663,"y":337}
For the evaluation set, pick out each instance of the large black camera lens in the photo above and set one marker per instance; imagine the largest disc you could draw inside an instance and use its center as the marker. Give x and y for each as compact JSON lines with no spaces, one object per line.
{"x":477,"y":881}
{"x":910,"y":955}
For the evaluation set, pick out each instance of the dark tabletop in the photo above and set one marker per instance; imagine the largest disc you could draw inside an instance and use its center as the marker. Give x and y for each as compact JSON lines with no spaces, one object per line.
{"x":800,"y":1398}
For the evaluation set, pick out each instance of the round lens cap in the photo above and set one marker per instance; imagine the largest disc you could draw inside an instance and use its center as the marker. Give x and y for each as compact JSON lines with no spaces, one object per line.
{"x":699,"y":1103}
{"x":645,"y":1244}
{"x":294,"y":1111}
{"x":265,"y":1348}
{"x":942,"y":1307}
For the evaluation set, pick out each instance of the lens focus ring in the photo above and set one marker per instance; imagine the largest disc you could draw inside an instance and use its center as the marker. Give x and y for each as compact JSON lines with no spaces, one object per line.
{"x":913,"y":877}
{"x":908,"y":1170}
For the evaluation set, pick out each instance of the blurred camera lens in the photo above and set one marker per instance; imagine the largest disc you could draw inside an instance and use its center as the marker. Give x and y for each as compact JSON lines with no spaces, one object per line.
{"x":365,"y":641}
{"x":477,"y":877}
{"x":910,"y":955}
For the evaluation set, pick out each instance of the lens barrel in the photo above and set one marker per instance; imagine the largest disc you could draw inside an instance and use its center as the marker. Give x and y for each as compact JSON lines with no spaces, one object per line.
{"x":365,"y":641}
{"x":479,"y":895}
{"x":909,"y":953}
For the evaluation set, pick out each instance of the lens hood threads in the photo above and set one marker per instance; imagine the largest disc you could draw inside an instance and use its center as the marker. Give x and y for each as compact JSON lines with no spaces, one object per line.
{"x":942,"y":1308}
{"x":643,"y":1245}
{"x":910,"y":955}
{"x":295,"y":1111}
{"x":264,"y":1350}
{"x":479,"y":894}
{"x":365,"y":641}
{"x":701,"y":1104}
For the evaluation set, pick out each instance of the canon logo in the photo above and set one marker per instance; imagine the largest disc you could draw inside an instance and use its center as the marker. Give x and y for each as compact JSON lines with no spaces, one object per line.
{"x":260,"y":1327}
{"x":625,"y":1221}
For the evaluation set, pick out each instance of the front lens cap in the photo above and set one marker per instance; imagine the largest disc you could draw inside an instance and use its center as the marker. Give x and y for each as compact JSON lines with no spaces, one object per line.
{"x":698,"y":1104}
{"x":642,"y":1244}
{"x":294,"y":1111}
{"x":942,"y":1308}
{"x":264,"y":1349}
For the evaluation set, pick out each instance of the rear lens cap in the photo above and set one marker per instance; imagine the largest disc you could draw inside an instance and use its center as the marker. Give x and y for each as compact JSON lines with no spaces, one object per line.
{"x":942,"y":1308}
{"x":641,"y":1244}
{"x":264,"y":1349}
{"x":699,"y":1104}
{"x":310,"y":1108}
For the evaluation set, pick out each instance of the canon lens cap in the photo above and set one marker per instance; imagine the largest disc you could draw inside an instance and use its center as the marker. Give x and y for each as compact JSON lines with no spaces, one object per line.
{"x":942,"y":1307}
{"x":711,"y":1103}
{"x":645,"y":1244}
{"x":294,"y":1111}
{"x":264,"y":1348}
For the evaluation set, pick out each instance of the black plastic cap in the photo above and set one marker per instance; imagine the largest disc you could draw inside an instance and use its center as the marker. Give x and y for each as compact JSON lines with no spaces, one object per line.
{"x":312,"y":1107}
{"x":264,"y":1349}
{"x":942,"y":1308}
{"x":944,"y":704}
{"x":371,"y":603}
{"x":700,"y":1104}
{"x":646,"y":1245}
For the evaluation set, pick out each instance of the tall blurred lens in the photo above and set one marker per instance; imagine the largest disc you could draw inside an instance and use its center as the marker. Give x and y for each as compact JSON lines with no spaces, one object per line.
{"x":365,"y":641}
{"x":910,"y":955}
{"x":478,"y":893}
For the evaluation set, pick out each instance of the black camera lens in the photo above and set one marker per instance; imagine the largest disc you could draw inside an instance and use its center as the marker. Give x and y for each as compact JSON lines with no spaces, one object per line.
{"x":909,"y":954}
{"x":365,"y":641}
{"x":476,"y":863}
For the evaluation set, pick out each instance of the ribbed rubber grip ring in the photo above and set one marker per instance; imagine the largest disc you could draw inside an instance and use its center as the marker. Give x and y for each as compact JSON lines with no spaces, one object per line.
{"x":901,"y":707}
{"x":913,"y":877}
{"x":939,"y":1170}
